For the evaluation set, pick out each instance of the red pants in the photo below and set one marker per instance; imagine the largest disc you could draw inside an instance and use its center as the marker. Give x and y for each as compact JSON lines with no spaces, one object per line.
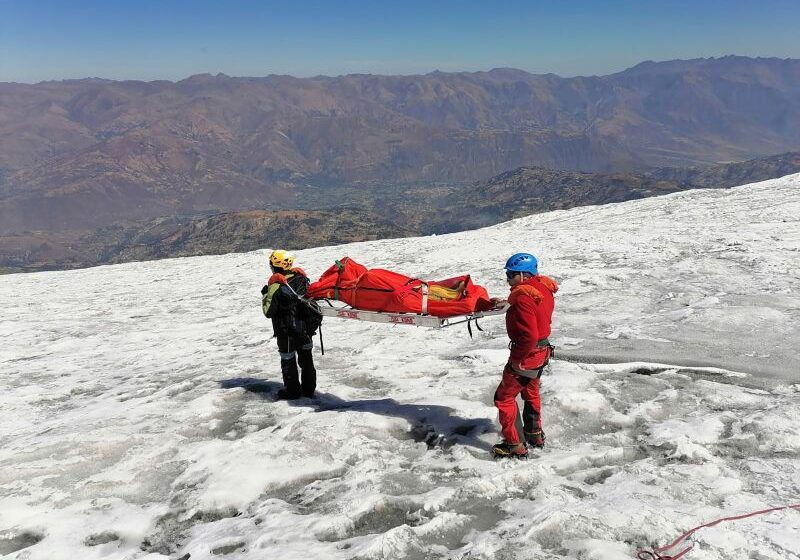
{"x":505,"y":399}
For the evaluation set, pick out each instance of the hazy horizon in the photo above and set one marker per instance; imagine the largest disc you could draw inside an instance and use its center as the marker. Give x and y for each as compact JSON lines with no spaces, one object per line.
{"x":478,"y":71}
{"x":54,"y":40}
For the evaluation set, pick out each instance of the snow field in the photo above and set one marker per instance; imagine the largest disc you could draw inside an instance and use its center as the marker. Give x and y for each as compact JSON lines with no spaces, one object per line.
{"x":139,"y":418}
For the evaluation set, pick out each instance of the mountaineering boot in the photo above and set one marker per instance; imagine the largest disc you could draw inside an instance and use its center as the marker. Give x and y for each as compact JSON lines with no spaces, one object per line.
{"x":285,"y":395}
{"x":535,"y":438}
{"x":515,"y":450}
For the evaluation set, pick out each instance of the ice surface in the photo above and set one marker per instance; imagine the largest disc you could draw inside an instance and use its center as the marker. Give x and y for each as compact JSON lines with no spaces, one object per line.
{"x":139,"y":419}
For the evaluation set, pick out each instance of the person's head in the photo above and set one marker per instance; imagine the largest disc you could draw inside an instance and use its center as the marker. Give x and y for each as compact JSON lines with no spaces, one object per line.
{"x":280,"y":260}
{"x":521,"y":266}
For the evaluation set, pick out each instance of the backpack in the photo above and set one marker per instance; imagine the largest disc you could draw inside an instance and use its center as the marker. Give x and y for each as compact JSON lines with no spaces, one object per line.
{"x":304,"y":317}
{"x":309,"y":313}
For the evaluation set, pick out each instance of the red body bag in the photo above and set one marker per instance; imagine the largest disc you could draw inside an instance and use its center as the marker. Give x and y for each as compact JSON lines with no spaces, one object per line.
{"x":387,"y":291}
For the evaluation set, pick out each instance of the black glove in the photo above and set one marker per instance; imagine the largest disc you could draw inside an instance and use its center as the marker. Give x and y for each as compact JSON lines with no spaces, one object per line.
{"x":264,"y":290}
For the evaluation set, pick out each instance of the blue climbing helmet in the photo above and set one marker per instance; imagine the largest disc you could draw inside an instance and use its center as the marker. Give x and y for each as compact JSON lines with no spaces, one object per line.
{"x":522,"y":262}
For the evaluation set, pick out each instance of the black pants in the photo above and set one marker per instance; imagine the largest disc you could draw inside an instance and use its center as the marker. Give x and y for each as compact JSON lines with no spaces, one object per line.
{"x":296,"y":352}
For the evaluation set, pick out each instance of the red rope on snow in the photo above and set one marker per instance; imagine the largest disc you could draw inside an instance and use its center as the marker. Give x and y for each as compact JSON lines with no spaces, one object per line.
{"x":655,"y":554}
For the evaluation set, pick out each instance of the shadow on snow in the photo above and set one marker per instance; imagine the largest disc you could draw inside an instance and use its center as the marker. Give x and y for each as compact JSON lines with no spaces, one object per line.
{"x":435,"y":425}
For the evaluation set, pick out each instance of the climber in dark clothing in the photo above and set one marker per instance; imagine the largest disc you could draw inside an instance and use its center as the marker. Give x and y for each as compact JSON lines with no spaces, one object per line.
{"x":293,"y":322}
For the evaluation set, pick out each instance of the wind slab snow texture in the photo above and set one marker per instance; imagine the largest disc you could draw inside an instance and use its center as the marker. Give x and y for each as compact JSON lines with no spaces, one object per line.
{"x":139,"y":419}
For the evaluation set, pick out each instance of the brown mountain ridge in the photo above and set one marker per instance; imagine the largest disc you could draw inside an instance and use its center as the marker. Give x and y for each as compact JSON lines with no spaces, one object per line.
{"x":377,"y":213}
{"x":83,"y":154}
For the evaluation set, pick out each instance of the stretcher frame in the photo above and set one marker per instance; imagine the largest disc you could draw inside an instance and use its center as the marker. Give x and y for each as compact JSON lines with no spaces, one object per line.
{"x":415,"y":319}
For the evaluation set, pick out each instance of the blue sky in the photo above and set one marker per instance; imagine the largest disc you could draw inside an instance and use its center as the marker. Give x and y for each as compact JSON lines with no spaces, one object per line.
{"x":173,"y":39}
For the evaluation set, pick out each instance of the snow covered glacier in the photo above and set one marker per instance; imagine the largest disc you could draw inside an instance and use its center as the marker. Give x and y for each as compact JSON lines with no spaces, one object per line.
{"x":138,"y":418}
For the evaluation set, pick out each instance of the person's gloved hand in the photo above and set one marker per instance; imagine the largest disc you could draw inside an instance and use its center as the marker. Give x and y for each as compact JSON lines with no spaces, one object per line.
{"x":277,"y":277}
{"x":264,"y":289}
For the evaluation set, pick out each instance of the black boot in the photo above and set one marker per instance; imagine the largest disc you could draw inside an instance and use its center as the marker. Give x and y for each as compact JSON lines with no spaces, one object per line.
{"x":285,"y":395}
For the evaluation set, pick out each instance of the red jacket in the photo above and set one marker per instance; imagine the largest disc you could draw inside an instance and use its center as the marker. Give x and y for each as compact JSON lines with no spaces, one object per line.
{"x":528,"y":321}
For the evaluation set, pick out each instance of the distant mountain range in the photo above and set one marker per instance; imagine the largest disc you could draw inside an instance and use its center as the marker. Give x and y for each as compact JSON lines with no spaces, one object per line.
{"x":344,"y":215}
{"x":527,"y":190}
{"x":84,"y":154}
